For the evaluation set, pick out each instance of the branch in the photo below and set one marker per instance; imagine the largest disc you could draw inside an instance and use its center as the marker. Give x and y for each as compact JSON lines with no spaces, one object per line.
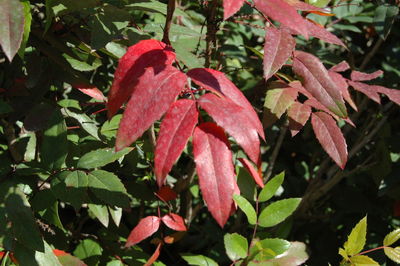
{"x":211,"y":31}
{"x":168,"y":21}
{"x":275,"y":152}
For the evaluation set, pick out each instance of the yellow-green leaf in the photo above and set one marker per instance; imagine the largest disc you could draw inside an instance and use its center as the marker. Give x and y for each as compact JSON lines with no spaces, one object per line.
{"x":391,"y":237}
{"x":363,"y":260}
{"x":343,"y":253}
{"x":393,"y":253}
{"x":357,"y":238}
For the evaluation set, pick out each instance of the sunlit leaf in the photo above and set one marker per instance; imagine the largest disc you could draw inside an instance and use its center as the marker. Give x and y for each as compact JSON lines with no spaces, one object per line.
{"x":363,"y":260}
{"x":298,"y":114}
{"x":357,"y":238}
{"x":174,"y":221}
{"x":279,"y":100}
{"x":271,"y":187}
{"x":392,"y":237}
{"x":247,"y":208}
{"x":277,"y":212}
{"x":236,"y":246}
{"x":360,"y":76}
{"x":145,"y":228}
{"x":393,"y":253}
{"x":231,"y":7}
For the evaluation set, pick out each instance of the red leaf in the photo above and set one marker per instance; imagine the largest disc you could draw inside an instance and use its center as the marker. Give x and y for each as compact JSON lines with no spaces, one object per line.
{"x":278,"y":47}
{"x":155,"y":255}
{"x":174,"y":221}
{"x":343,"y":87}
{"x":59,"y":252}
{"x":234,"y":120}
{"x":318,"y":82}
{"x":176,"y":128}
{"x":330,"y":137}
{"x":146,"y":53}
{"x":360,"y":76}
{"x":322,"y":34}
{"x":231,"y":7}
{"x":217,"y":82}
{"x":297,"y":85}
{"x":67,"y":259}
{"x":91,"y":91}
{"x":145,"y":228}
{"x":369,"y":90}
{"x":253,"y":172}
{"x":284,"y":13}
{"x":392,"y":94}
{"x":298,"y":115}
{"x":153,"y":95}
{"x":165,"y":193}
{"x":341,"y":67}
{"x":214,"y":166}
{"x":314,"y":103}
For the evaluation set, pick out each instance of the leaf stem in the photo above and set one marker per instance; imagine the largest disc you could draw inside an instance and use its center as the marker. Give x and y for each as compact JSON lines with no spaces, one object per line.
{"x":168,"y":21}
{"x":370,"y":250}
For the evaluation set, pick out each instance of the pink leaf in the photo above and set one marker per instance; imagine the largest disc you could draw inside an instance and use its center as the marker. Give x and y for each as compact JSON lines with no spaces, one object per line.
{"x":145,"y":228}
{"x":231,"y":7}
{"x":174,"y":221}
{"x":318,"y":82}
{"x":279,"y":100}
{"x":360,"y":76}
{"x":284,"y":13}
{"x":153,"y":95}
{"x":368,"y":90}
{"x":146,"y":53}
{"x":330,"y":137}
{"x":314,"y":103}
{"x":298,"y":115}
{"x":217,"y":82}
{"x":234,"y":120}
{"x":392,"y":94}
{"x":176,"y":128}
{"x":253,"y":172}
{"x":322,"y":34}
{"x":343,"y":87}
{"x":278,"y":47}
{"x":155,"y":255}
{"x":341,"y":67}
{"x":91,"y":91}
{"x":297,"y":85}
{"x":213,"y":159}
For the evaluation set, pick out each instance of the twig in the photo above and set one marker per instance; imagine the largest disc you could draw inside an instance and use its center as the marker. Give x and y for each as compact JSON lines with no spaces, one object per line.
{"x":211,"y":31}
{"x":371,"y":54}
{"x":275,"y":152}
{"x":168,"y":21}
{"x":152,"y":136}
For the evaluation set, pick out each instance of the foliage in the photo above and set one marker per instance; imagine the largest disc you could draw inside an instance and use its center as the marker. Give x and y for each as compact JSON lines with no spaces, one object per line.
{"x":182,"y":140}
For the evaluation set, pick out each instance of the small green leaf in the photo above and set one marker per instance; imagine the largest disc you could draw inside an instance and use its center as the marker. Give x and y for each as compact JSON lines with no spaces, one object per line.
{"x":277,"y":212}
{"x":247,"y":208}
{"x":357,"y":238}
{"x":343,"y":253}
{"x":77,"y":179}
{"x":268,"y":248}
{"x":89,"y":250}
{"x":198,"y":260}
{"x":116,"y":214}
{"x":271,"y":187}
{"x":393,"y":253}
{"x":363,"y":260}
{"x":85,"y":122}
{"x":100,"y":212}
{"x":236,"y":246}
{"x":391,"y":237}
{"x":101,"y":157}
{"x":384,"y":18}
{"x":47,"y":257}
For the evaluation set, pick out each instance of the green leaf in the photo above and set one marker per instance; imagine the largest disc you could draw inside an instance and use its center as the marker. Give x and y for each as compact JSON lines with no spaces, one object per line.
{"x":47,"y":257}
{"x":186,"y":56}
{"x":5,"y":107}
{"x":391,"y":237}
{"x":363,"y":260}
{"x":84,"y":121}
{"x":45,"y":203}
{"x":77,"y":179}
{"x":295,"y":255}
{"x":108,"y":188}
{"x":101,"y":157}
{"x":384,"y":18}
{"x":357,"y":238}
{"x":236,"y":246}
{"x":271,"y":187}
{"x":279,"y":100}
{"x":100,"y":212}
{"x":55,"y":147}
{"x":82,"y":65}
{"x":318,"y":3}
{"x":88,"y":250}
{"x":247,"y":208}
{"x":277,"y":212}
{"x":69,"y":260}
{"x":109,"y":128}
{"x":198,"y":260}
{"x":27,"y":27}
{"x":343,"y":253}
{"x":393,"y":253}
{"x":11,"y":26}
{"x":116,"y":214}
{"x":268,"y":248}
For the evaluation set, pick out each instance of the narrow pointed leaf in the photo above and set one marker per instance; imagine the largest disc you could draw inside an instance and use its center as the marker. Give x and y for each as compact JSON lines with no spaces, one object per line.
{"x":279,"y":100}
{"x":176,"y":128}
{"x":150,"y":100}
{"x":392,"y":94}
{"x":343,"y":87}
{"x":341,"y":67}
{"x":360,"y":260}
{"x":253,"y":172}
{"x":101,"y":157}
{"x":277,"y":212}
{"x":91,"y":91}
{"x":318,"y":82}
{"x":322,"y":34}
{"x":231,"y":7}
{"x":314,"y":103}
{"x":155,"y":256}
{"x":271,"y":187}
{"x":145,"y":228}
{"x":217,"y":82}
{"x":369,"y":90}
{"x":11,"y":26}
{"x":146,"y":53}
{"x":393,"y":253}
{"x":360,"y":76}
{"x":247,"y":208}
{"x":392,"y":237}
{"x":214,"y":166}
{"x":357,"y":238}
{"x":234,"y":120}
{"x":330,"y":137}
{"x":174,"y":221}
{"x":284,"y":13}
{"x":298,"y":116}
{"x":278,"y":47}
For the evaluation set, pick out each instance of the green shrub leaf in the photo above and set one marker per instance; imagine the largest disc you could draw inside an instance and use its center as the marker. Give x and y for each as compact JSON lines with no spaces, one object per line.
{"x":393,"y":253}
{"x":271,"y":187}
{"x":268,"y":248}
{"x":247,"y":208}
{"x":236,"y":246}
{"x":198,"y":260}
{"x":101,"y":157}
{"x":363,"y":260}
{"x":391,"y":237}
{"x":278,"y":211}
{"x":356,"y":240}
